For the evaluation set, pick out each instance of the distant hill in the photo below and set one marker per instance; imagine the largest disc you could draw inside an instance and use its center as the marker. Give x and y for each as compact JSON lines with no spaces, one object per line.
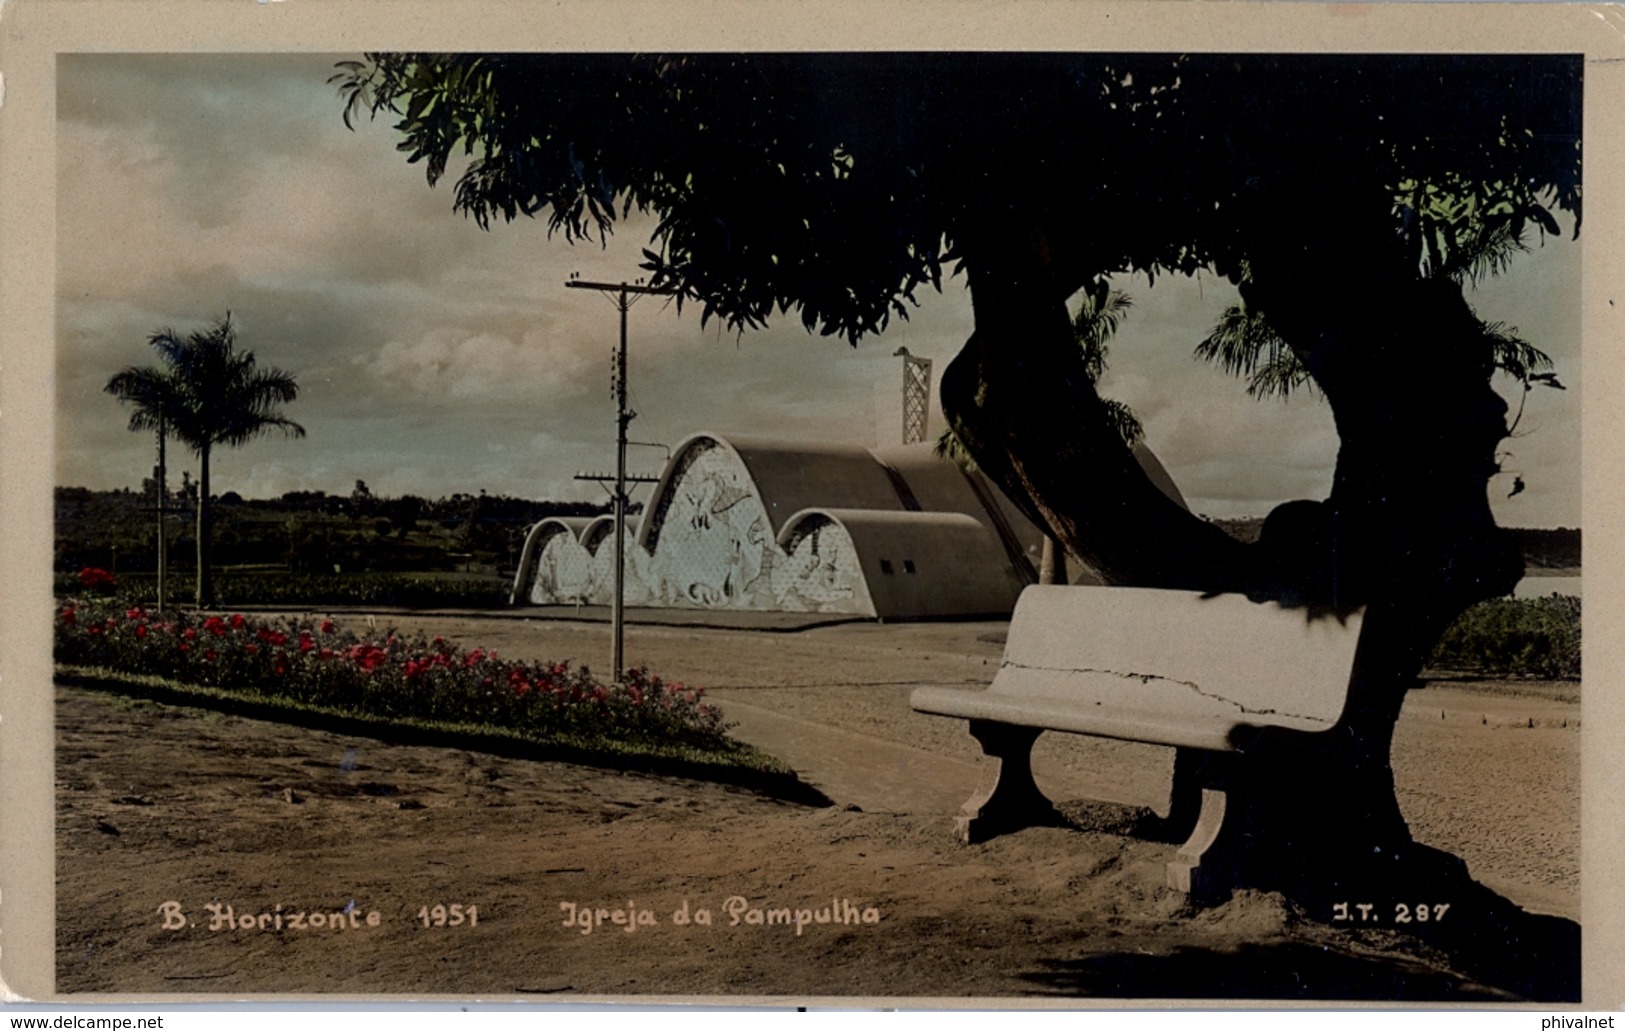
{"x":1542,"y":549}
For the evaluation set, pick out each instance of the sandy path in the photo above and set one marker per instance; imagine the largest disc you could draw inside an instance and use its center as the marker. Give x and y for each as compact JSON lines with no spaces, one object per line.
{"x":1474,"y":778}
{"x":158,"y":804}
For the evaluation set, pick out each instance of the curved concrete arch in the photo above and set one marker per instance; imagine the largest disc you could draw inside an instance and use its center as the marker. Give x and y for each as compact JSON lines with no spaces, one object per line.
{"x":938,"y":484}
{"x":821,"y":571}
{"x":784,"y":477}
{"x":597,"y":531}
{"x":918,"y":564}
{"x":536,"y":539}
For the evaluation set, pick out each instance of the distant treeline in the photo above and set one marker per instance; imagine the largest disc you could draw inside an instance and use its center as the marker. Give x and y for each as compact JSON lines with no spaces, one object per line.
{"x":303,"y":531}
{"x":1542,"y":549}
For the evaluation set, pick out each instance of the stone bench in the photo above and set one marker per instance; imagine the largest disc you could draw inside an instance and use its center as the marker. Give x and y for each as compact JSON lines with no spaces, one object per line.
{"x":1209,"y":675}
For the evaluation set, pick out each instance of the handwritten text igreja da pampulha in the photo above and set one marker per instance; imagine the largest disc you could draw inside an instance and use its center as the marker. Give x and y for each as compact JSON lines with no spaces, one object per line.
{"x":735,"y":911}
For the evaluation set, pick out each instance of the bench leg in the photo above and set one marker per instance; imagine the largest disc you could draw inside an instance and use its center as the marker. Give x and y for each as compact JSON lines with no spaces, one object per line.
{"x":1206,"y":866}
{"x":1203,"y":869}
{"x":1008,"y":799}
{"x":1185,"y":794}
{"x":1191,"y":775}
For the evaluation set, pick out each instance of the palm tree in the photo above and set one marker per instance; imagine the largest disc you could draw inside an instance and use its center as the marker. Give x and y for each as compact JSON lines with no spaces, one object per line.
{"x":150,"y":392}
{"x":1100,"y":313}
{"x":1243,"y":343}
{"x":210,"y":394}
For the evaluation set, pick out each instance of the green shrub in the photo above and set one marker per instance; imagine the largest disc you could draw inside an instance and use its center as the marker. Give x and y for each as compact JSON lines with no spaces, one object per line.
{"x":1535,"y":637}
{"x":255,"y":590}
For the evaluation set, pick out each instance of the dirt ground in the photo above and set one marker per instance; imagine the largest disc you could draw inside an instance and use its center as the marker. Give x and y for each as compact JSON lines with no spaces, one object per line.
{"x":166,"y":812}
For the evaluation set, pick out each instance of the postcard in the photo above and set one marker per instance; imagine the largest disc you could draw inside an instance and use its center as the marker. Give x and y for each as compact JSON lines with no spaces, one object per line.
{"x":1051,"y":505}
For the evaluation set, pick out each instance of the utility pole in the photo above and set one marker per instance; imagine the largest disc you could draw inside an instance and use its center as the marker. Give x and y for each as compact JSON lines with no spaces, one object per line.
{"x":622,"y":296}
{"x":163,"y":537}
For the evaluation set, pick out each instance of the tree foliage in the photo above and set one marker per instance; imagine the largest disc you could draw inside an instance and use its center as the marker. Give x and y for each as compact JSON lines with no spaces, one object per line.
{"x":838,"y":184}
{"x":216,"y":394}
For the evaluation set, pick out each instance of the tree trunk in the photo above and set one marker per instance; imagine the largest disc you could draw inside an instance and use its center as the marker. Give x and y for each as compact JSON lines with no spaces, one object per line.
{"x":1407,"y":530}
{"x":205,"y":581}
{"x":1406,"y":368}
{"x":1020,"y":399}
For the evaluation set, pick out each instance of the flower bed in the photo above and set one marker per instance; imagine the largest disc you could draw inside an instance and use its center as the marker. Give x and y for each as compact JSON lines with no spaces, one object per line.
{"x":315,"y":665}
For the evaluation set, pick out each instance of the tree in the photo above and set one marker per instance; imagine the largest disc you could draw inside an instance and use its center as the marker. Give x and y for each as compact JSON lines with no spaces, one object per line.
{"x":210,"y":395}
{"x":151,"y":395}
{"x":837,"y":185}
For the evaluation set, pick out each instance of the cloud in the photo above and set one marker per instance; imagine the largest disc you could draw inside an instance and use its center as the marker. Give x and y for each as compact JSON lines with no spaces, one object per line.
{"x":454,"y":364}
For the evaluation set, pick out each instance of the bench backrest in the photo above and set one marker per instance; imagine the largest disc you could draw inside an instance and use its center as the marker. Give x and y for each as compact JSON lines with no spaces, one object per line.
{"x":1179,"y":651}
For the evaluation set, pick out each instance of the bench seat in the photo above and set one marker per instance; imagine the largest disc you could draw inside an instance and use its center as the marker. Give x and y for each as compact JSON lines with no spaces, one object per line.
{"x":1216,"y":730}
{"x":1167,"y":667}
{"x":1200,"y":673}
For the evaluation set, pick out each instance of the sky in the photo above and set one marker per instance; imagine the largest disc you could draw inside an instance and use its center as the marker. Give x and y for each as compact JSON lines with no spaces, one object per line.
{"x":434,"y":357}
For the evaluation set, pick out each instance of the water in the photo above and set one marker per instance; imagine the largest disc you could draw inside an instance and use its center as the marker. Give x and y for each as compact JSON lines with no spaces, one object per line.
{"x":1540,"y":586}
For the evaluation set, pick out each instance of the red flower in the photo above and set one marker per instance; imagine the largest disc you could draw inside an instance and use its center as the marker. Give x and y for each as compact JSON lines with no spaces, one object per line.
{"x":368,"y":656}
{"x":94,"y":629}
{"x":252,"y":649}
{"x":237,"y":621}
{"x":327,"y":626}
{"x":325,"y":653}
{"x":70,"y":616}
{"x":275,"y":638}
{"x":211,"y":655}
{"x":92,"y":577}
{"x":305,"y":642}
{"x":136,"y":613}
{"x":215,"y":625}
{"x":281,"y":669}
{"x":189,"y":634}
{"x":186,"y":647}
{"x":141,"y":630}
